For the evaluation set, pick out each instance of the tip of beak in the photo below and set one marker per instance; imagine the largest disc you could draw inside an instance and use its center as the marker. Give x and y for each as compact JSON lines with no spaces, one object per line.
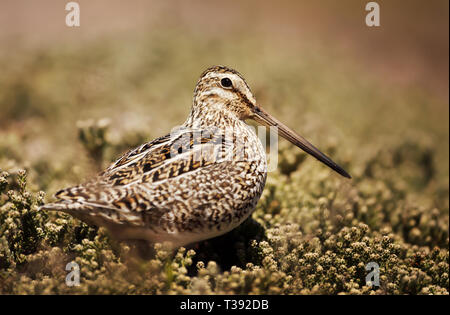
{"x":341,"y":171}
{"x":347,"y":175}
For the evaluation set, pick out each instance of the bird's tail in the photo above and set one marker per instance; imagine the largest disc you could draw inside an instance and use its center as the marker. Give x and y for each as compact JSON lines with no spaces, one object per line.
{"x":94,"y":214}
{"x":76,"y":209}
{"x":63,"y":205}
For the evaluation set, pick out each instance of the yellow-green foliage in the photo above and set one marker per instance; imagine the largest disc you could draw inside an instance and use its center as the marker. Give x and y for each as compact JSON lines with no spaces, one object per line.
{"x":312,"y":232}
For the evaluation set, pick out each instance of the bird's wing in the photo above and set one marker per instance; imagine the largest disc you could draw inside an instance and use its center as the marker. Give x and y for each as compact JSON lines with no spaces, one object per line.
{"x":128,"y":183}
{"x":167,"y":157}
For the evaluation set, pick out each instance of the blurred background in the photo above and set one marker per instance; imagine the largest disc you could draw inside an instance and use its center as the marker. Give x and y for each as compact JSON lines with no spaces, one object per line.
{"x":374,"y":98}
{"x":315,"y":65}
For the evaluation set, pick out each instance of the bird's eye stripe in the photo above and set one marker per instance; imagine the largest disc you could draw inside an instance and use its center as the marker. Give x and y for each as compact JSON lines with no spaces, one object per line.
{"x":226,"y":82}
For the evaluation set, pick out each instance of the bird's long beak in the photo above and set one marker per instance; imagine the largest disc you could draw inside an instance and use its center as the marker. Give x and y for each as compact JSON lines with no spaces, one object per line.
{"x":264,"y":118}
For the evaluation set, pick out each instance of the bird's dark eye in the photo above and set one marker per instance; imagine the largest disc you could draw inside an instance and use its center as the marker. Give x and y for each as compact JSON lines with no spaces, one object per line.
{"x":226,"y":82}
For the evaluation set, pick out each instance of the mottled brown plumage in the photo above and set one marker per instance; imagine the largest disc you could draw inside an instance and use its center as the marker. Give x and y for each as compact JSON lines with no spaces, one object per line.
{"x":200,"y":181}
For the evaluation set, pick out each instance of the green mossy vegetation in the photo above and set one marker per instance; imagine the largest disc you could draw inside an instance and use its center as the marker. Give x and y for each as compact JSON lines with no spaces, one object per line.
{"x":66,"y":113}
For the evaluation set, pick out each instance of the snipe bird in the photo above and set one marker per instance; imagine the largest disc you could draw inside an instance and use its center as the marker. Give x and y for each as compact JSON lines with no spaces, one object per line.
{"x":193,"y":184}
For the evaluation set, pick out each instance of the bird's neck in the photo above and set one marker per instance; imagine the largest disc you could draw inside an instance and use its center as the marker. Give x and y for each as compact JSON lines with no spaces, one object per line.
{"x":205,"y":115}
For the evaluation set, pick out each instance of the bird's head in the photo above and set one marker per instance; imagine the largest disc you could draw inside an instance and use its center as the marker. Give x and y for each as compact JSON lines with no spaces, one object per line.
{"x":222,"y":95}
{"x":223,"y":91}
